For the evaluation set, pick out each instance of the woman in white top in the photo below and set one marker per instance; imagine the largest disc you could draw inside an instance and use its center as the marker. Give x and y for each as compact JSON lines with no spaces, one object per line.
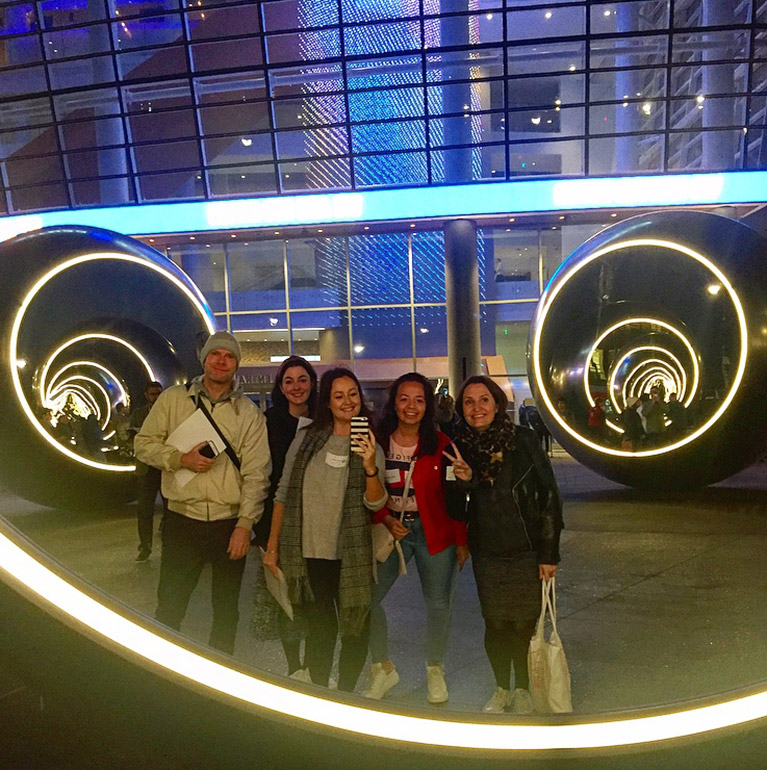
{"x":320,"y":535}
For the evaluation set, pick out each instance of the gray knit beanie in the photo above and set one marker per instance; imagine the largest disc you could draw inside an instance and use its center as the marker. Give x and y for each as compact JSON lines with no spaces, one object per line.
{"x":221,"y":341}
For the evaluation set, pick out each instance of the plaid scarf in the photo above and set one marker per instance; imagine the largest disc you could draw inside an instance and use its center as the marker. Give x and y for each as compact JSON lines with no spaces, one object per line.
{"x":484,"y":449}
{"x":355,"y":586}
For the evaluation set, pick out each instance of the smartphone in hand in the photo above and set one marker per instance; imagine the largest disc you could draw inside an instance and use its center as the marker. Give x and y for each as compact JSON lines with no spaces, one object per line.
{"x":360,"y":427}
{"x":208,"y":451}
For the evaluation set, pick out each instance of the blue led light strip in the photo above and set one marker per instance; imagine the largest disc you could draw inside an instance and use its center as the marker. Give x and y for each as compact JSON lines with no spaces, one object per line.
{"x":481,"y":199}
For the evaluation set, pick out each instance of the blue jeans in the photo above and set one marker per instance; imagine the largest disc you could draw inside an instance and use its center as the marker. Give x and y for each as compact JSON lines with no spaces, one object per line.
{"x":438,"y":574}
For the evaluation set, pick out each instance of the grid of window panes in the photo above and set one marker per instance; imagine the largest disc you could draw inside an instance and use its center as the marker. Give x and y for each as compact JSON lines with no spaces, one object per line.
{"x":108,"y":102}
{"x":374,"y":298}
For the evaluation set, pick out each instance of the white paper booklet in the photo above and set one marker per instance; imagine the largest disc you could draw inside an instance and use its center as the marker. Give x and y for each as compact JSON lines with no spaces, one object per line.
{"x":193,"y":431}
{"x":278,"y":588}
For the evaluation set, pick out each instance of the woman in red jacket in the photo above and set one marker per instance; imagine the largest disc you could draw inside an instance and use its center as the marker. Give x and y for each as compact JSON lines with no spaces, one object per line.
{"x":415,"y":515}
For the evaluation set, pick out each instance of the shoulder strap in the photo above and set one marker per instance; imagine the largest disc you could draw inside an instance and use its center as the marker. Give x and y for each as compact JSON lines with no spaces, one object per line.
{"x":406,"y":488}
{"x":229,"y":449}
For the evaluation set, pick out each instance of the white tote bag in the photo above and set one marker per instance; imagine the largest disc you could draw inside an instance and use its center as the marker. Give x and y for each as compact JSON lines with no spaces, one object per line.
{"x":549,"y":675}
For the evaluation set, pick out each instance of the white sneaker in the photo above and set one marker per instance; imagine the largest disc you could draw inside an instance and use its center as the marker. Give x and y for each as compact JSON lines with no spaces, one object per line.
{"x":497,"y":704}
{"x":302,"y":675}
{"x":436,"y":687}
{"x":381,"y":681}
{"x":521,"y":702}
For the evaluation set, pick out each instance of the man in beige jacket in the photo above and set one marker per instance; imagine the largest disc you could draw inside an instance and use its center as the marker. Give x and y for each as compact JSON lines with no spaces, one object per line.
{"x":211,"y":517}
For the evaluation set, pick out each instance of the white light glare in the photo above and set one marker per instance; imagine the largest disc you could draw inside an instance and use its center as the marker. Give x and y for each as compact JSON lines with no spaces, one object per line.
{"x":714,"y":288}
{"x":52,"y":591}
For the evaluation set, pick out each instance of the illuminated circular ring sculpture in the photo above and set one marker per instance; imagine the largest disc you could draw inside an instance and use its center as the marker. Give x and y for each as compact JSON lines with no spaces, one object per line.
{"x":674,"y":297}
{"x":89,"y":318}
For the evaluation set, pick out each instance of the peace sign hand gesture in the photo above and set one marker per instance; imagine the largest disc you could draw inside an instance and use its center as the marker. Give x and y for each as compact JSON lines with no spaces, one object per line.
{"x":462,"y":469}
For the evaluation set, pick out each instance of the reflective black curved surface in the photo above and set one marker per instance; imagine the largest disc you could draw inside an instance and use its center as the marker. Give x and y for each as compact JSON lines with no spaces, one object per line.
{"x":89,"y":317}
{"x":672,"y":302}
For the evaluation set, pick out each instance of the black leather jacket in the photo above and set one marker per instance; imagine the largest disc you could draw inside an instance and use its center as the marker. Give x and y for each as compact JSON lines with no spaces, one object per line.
{"x":525,"y":492}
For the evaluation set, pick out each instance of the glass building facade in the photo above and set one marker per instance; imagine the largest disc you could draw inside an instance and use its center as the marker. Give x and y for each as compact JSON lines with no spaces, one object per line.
{"x":120,"y":101}
{"x":114,"y":102}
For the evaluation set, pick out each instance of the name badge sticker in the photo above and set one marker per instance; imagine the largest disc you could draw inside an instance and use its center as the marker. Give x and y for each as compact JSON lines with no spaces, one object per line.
{"x":449,"y":473}
{"x":393,"y":476}
{"x":336,"y":461}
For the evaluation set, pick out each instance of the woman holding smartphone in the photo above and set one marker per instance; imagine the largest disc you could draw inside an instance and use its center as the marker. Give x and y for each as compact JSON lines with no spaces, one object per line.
{"x":415,"y":514}
{"x":294,"y":398}
{"x":320,"y":534}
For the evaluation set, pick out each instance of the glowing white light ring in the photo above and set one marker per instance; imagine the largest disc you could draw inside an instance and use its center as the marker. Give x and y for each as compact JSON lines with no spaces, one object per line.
{"x":192,"y":293}
{"x":668,"y":373}
{"x":655,"y":322}
{"x":53,"y":591}
{"x":107,"y":399}
{"x":657,"y":372}
{"x":550,"y":294}
{"x":616,"y":366}
{"x":112,"y":376}
{"x":86,"y":399}
{"x":90,"y":336}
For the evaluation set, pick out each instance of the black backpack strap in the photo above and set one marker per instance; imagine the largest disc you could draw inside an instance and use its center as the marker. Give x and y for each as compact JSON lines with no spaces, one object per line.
{"x":229,"y":449}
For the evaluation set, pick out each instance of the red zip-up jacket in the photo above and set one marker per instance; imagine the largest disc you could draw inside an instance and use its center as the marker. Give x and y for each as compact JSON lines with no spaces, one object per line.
{"x":428,"y":475}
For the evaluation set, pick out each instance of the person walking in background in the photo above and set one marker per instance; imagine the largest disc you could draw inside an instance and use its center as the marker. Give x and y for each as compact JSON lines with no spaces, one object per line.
{"x":294,"y":399}
{"x":416,"y":517}
{"x":320,"y":534}
{"x":211,"y":517}
{"x":148,"y":479}
{"x":515,"y":518}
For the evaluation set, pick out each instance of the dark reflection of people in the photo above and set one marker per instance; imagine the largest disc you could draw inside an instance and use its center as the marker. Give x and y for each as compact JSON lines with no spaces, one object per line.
{"x":563,"y":410}
{"x":92,"y":437}
{"x":64,"y":429}
{"x":678,"y":416}
{"x":446,"y":416}
{"x":120,"y":423}
{"x":596,"y":420}
{"x":147,"y":478}
{"x":535,"y":422}
{"x":631,"y":422}
{"x":211,"y":517}
{"x":654,"y":413}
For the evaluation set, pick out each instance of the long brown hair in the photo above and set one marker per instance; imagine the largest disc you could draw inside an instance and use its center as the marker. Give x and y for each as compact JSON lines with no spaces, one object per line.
{"x":323,"y":418}
{"x":427,"y":430}
{"x":278,"y":397}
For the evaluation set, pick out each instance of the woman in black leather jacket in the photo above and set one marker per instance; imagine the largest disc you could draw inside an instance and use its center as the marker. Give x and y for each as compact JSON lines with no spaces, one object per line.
{"x":514,"y":512}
